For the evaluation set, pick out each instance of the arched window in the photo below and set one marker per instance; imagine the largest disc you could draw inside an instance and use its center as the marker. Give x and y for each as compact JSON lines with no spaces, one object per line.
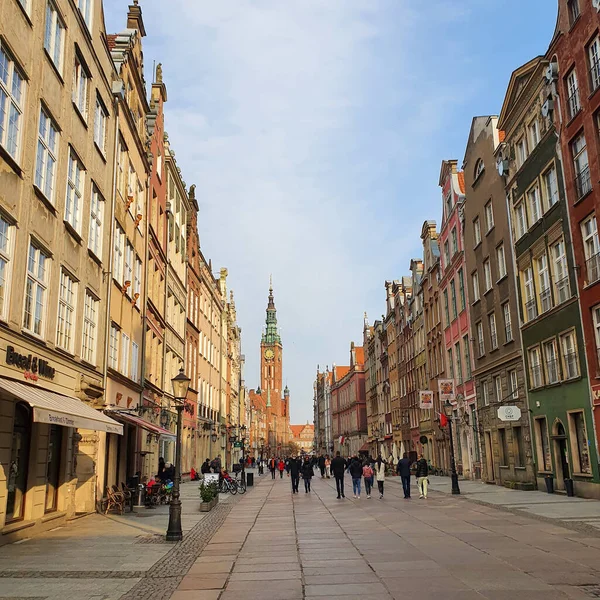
{"x":19,"y":463}
{"x":479,"y":166}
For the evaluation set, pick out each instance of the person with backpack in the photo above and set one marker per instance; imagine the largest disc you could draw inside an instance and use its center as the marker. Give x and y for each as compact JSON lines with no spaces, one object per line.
{"x":367,"y":473}
{"x":356,"y":473}
{"x":422,"y":475}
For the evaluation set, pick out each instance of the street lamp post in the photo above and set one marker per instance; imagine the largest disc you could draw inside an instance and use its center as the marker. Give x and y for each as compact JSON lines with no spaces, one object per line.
{"x":180,"y":383}
{"x":449,"y":409}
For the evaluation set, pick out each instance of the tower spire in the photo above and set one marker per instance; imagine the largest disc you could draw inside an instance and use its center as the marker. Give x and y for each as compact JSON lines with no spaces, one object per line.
{"x":271,"y":335}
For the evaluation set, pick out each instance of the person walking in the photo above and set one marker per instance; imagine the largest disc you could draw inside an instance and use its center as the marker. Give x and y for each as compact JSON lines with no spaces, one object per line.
{"x":338,"y":466}
{"x":327,"y":467}
{"x":205,"y":468}
{"x":367,"y":473}
{"x":272,"y":467}
{"x":307,"y":473}
{"x":356,"y":471}
{"x":422,"y":474}
{"x":380,"y":474}
{"x":322,"y":466}
{"x":295,"y":467}
{"x":403,"y":469}
{"x":281,"y":467}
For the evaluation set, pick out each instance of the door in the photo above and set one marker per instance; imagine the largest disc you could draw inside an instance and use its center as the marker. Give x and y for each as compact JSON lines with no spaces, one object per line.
{"x":489,"y":457}
{"x":53,"y":467}
{"x":561,"y":456}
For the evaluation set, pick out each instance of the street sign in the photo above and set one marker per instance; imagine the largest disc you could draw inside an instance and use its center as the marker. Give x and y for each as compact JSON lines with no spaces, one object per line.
{"x":237,"y":444}
{"x":509,"y":413}
{"x":425,"y":399}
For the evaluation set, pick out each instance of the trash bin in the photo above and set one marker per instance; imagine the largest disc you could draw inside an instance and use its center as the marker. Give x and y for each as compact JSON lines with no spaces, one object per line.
{"x":569,"y":487}
{"x":249,"y":479}
{"x":139,"y":496}
{"x":549,"y":483}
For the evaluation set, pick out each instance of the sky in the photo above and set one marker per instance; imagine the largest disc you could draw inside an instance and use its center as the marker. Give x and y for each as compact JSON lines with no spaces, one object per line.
{"x":314,"y":131}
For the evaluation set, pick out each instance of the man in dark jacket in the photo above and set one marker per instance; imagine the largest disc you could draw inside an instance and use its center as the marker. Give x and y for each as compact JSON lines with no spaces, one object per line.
{"x":322,"y":466}
{"x":403,"y":469}
{"x":338,"y":466}
{"x":422,"y":474}
{"x":295,"y":465}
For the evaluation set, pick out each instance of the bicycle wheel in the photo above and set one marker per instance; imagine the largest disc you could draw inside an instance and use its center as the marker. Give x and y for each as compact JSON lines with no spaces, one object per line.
{"x":241,"y":485}
{"x":233,"y":488}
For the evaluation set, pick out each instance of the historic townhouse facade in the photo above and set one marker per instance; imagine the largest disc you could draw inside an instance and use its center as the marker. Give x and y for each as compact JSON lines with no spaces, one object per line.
{"x":551,"y":332}
{"x":499,"y":378}
{"x":323,"y":431}
{"x":459,"y":362}
{"x":57,"y":138}
{"x":572,"y":80}
{"x":392,"y":350}
{"x":402,"y":436}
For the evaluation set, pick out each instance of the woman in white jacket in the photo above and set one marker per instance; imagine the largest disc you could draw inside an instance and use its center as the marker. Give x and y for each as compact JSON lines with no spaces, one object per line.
{"x":379,"y":469}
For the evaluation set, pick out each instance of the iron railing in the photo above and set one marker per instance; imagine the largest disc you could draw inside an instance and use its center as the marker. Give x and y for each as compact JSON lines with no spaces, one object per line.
{"x":574,"y":103}
{"x":563,"y":290}
{"x":546,"y":299}
{"x":595,"y":75}
{"x":531,"y":309}
{"x":571,"y":366}
{"x":536,"y":376}
{"x":583,"y":182}
{"x":592,"y":267}
{"x":552,"y":370}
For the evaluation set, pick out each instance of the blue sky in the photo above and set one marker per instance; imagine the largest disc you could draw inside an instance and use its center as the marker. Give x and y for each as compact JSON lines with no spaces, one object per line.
{"x":314,"y":131}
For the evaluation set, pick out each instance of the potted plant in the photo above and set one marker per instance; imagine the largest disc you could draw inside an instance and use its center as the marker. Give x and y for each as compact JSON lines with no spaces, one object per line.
{"x":209,"y":496}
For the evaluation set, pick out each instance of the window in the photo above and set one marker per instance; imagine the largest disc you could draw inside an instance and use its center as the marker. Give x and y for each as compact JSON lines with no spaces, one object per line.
{"x":543,"y":447}
{"x":573,"y":94}
{"x":475,"y":282}
{"x":467,"y":356}
{"x":96,"y":218}
{"x":75,"y":185}
{"x":493,"y":332}
{"x":521,"y":152}
{"x":489,"y":216}
{"x":498,"y":388}
{"x":480,"y":339}
{"x":454,"y":241}
{"x":536,"y":379}
{"x":487,"y":273}
{"x":54,"y":36}
{"x":583,"y":181}
{"x":544,"y":282}
{"x":503,"y":447}
{"x":535,"y":209}
{"x":450,"y":363}
{"x":551,"y":359}
{"x":47,"y":152}
{"x":521,"y":225}
{"x":128,"y":272}
{"x":12,"y":102}
{"x":461,"y":289}
{"x":124,"y":362}
{"x":579,"y":443}
{"x":113,"y":350}
{"x":90,"y":329}
{"x":501,"y":261}
{"x":550,"y":188}
{"x":485,"y":393}
{"x":570,"y":360}
{"x":135,"y":353}
{"x":513,"y":382}
{"x":479,"y":167}
{"x":596,"y":320}
{"x":459,"y":369}
{"x":81,"y":83}
{"x":594,"y":57}
{"x":137,"y":278}
{"x":6,"y":251}
{"x":119,"y":253}
{"x":453,"y":296}
{"x":35,"y":290}
{"x":508,"y":334}
{"x":85,"y":8}
{"x":67,"y":304}
{"x":530,"y":301}
{"x":26,"y":4}
{"x":591,"y":248}
{"x":573,"y":8}
{"x":518,"y":446}
{"x":533,"y":133}
{"x":446,"y":309}
{"x":477,"y":231}
{"x":100,"y":125}
{"x":562,"y":290}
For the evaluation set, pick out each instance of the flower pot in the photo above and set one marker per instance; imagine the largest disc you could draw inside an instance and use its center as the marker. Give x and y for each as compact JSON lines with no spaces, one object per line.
{"x":205,"y":506}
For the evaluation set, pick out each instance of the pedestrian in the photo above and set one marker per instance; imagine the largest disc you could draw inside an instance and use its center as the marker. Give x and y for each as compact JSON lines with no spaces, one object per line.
{"x":205,"y":468}
{"x":380,"y":474}
{"x":272,"y":467}
{"x":288,"y":460}
{"x":295,"y":466}
{"x":338,"y":466}
{"x":422,"y":474}
{"x":307,"y":473}
{"x":356,"y":471}
{"x":161,"y":468}
{"x":281,"y":467}
{"x":327,"y":467}
{"x":367,"y":473}
{"x":322,"y":466}
{"x":403,"y":469}
{"x":216,"y":464}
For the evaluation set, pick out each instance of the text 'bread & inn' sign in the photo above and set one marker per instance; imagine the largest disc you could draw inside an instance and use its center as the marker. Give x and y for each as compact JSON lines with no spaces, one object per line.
{"x":33,"y":366}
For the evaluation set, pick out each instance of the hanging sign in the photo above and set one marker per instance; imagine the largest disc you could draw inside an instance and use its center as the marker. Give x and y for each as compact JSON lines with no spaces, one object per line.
{"x":446,"y":389}
{"x":509,"y":413}
{"x":426,"y":399}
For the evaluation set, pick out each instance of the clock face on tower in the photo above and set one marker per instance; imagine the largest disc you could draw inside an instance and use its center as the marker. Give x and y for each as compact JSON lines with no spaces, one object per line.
{"x":269,"y":354}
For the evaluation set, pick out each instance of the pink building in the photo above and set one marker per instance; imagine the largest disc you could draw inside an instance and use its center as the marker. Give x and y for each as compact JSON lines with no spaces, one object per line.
{"x":457,"y":326}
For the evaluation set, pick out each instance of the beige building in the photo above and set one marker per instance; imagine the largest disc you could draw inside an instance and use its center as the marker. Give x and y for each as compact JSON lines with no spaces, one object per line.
{"x":303,"y":436}
{"x":57,"y":139}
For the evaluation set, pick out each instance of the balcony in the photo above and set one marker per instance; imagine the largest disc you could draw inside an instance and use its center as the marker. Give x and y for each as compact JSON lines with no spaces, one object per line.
{"x":531,"y":310}
{"x":595,"y":76}
{"x":573,"y":103}
{"x":563,"y":290}
{"x":546,"y":299}
{"x":592,"y":267}
{"x":571,"y":366}
{"x":552,"y":371}
{"x":583,"y":182}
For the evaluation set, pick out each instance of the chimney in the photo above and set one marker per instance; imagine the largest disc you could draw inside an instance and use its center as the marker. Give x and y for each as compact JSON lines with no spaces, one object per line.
{"x":134,"y":18}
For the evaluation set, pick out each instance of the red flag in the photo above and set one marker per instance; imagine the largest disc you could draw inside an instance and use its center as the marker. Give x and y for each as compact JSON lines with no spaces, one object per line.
{"x":443,"y":420}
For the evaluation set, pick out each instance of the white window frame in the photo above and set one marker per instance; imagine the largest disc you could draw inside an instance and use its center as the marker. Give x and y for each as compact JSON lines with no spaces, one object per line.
{"x":128,"y":266}
{"x":501,"y":259}
{"x":81,"y":86}
{"x":551,"y":356}
{"x":137,"y":277}
{"x":47,"y":156}
{"x":529,"y":287}
{"x":568,"y":348}
{"x":489,"y":216}
{"x":493,"y":331}
{"x":86,"y":8}
{"x":67,"y":311}
{"x":591,"y":248}
{"x":485,"y":393}
{"x":498,"y":387}
{"x":596,"y":320}
{"x":521,"y":151}
{"x":513,"y":381}
{"x":36,"y":289}
{"x":135,"y":357}
{"x":477,"y":231}
{"x":119,"y":254}
{"x":594,"y":59}
{"x":562,"y":288}
{"x":544,"y":288}
{"x":534,"y":204}
{"x":573,"y":100}
{"x":7,"y":231}
{"x":54,"y":36}
{"x":113,"y":353}
{"x":12,"y":104}
{"x":487,"y":275}
{"x":100,"y":120}
{"x":475,"y":285}
{"x":535,"y":382}
{"x":508,"y":332}
{"x":480,"y":339}
{"x":89,"y":340}
{"x":521,"y":224}
{"x":581,"y":165}
{"x":96,"y":222}
{"x":551,"y":192}
{"x":124,"y":354}
{"x":533,"y":133}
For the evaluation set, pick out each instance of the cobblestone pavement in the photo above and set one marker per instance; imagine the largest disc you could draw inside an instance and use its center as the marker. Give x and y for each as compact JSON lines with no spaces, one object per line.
{"x":314,"y":546}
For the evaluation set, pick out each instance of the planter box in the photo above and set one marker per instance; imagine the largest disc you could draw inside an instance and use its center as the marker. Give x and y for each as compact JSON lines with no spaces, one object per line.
{"x":207,"y":506}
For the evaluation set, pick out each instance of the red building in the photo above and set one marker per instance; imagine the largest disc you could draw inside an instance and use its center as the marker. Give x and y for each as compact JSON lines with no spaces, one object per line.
{"x":457,"y":326}
{"x":348,"y":404}
{"x":573,"y":87}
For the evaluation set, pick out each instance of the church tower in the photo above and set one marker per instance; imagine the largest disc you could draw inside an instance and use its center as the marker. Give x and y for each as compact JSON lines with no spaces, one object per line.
{"x":271,"y":355}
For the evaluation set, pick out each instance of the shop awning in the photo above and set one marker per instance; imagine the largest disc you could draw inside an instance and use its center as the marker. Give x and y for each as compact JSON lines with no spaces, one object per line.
{"x":57,"y":409}
{"x":129,"y":418}
{"x":365,"y":447}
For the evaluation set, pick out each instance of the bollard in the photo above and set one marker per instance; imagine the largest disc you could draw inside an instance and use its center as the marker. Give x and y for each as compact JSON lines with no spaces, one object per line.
{"x":249,"y":479}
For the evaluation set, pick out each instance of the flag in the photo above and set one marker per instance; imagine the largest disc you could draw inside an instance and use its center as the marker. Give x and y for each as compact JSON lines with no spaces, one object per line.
{"x":341,"y":439}
{"x":443,"y":420}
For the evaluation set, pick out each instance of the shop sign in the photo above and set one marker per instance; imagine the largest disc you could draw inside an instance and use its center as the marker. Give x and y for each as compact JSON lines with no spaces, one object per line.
{"x":426,"y":399}
{"x":32,"y":365}
{"x":446,"y":388}
{"x":509,"y":413}
{"x":237,"y":444}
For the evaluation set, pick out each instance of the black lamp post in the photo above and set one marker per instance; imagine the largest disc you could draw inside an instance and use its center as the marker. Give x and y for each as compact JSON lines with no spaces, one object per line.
{"x":180,"y":383}
{"x":449,"y":409}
